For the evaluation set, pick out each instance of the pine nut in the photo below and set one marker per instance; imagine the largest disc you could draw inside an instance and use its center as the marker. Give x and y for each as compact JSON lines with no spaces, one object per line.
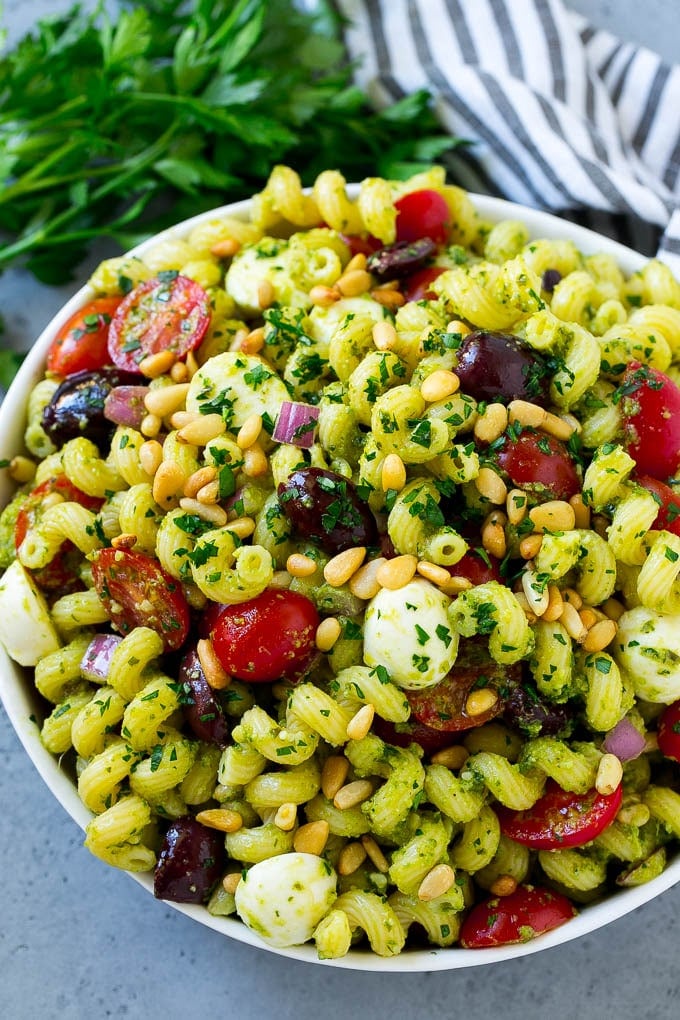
{"x":255,"y":463}
{"x":504,"y":885}
{"x":352,"y":794}
{"x":226,"y":249}
{"x":388,"y":298}
{"x":340,"y":568}
{"x":525,"y":607}
{"x":179,"y":372}
{"x":124,"y":541}
{"x":375,"y":854}
{"x":352,"y":856}
{"x":527,"y":414}
{"x":433,"y":572}
{"x":21,"y":470}
{"x":221,"y":819}
{"x":265,"y":293}
{"x":324,"y":297}
{"x":209,"y":493}
{"x":360,"y":724}
{"x":456,"y":326}
{"x":356,"y":282}
{"x":333,"y":775}
{"x":609,"y":774}
{"x":252,"y":342}
{"x":230,"y":882}
{"x":481,"y":701}
{"x":155,"y":365}
{"x":588,"y":617}
{"x":571,"y":596}
{"x":455,"y":585}
{"x":301,"y":566}
{"x":491,"y":486}
{"x":249,"y":431}
{"x":364,"y":584}
{"x":537,"y":596}
{"x":214,"y":514}
{"x":493,"y":539}
{"x":311,"y":838}
{"x":436,"y":882}
{"x":554,"y":610}
{"x":150,"y":426}
{"x":396,"y":573}
{"x":572,"y":623}
{"x":151,"y":456}
{"x":357,"y":261}
{"x":286,"y":817}
{"x":529,"y":546}
{"x":166,"y":400}
{"x":492,"y":423}
{"x":451,"y":757}
{"x":384,"y":335}
{"x":581,"y":511}
{"x":195,"y":482}
{"x":181,"y":418}
{"x":440,"y":385}
{"x":200,"y":433}
{"x":213,"y":669}
{"x":168,"y":483}
{"x":613,"y":609}
{"x":558,"y":427}
{"x":555,"y":515}
{"x":600,"y":636}
{"x":393,"y":473}
{"x":516,"y":506}
{"x":242,"y":527}
{"x":327,"y":633}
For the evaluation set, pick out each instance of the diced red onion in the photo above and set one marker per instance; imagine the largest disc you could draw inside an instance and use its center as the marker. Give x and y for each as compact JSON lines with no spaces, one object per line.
{"x":625,"y":741}
{"x":296,"y":424}
{"x":125,"y":405}
{"x":97,"y":658}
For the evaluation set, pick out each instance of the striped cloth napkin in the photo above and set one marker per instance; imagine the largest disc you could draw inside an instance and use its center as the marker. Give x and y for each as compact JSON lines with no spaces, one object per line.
{"x":562,"y":116}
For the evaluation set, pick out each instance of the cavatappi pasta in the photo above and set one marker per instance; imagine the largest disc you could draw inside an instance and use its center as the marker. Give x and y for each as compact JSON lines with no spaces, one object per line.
{"x":476,"y":653}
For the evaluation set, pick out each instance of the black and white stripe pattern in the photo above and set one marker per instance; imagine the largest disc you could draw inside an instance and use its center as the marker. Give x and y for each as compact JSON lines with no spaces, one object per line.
{"x":562,"y":116}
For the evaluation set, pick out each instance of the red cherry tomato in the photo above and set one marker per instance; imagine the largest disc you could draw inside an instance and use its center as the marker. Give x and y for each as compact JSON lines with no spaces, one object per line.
{"x":411,"y":732}
{"x":560,"y":819}
{"x":539,"y":463}
{"x":168,"y":312}
{"x":668,"y":732}
{"x":423,"y":214}
{"x":137,"y":592}
{"x":650,"y":407}
{"x":361,"y":245}
{"x":81,"y":345}
{"x":519,"y":917}
{"x":475,"y":568}
{"x":442,"y":707}
{"x":417,"y":285}
{"x":268,"y":637}
{"x":668,"y":517}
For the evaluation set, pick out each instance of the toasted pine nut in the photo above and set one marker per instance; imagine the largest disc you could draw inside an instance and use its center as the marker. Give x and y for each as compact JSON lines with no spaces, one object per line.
{"x":537,"y":596}
{"x":179,"y":372}
{"x":214,"y":514}
{"x":481,"y":701}
{"x":195,"y":482}
{"x":504,"y":885}
{"x":588,"y":617}
{"x":529,"y":546}
{"x":364,"y":584}
{"x":150,"y":426}
{"x":451,"y":757}
{"x":327,"y":633}
{"x":151,"y":456}
{"x":155,"y":365}
{"x":221,"y":819}
{"x":311,"y":838}
{"x":124,"y":541}
{"x":215,"y":673}
{"x":437,"y":882}
{"x":192,"y":364}
{"x":393,"y":473}
{"x":581,"y":511}
{"x":209,"y":493}
{"x":249,"y":431}
{"x":609,"y":774}
{"x":493,"y":538}
{"x":633,"y":814}
{"x":600,"y":636}
{"x":396,"y":573}
{"x":456,"y":326}
{"x":255,"y":463}
{"x":554,"y":610}
{"x":226,"y":248}
{"x":21,"y":469}
{"x":199,"y":433}
{"x":301,"y":566}
{"x":492,"y":423}
{"x":572,"y":623}
{"x":433,"y":572}
{"x":526,"y":413}
{"x":340,"y":568}
{"x":388,"y":298}
{"x":181,"y":418}
{"x":286,"y":817}
{"x":384,"y":335}
{"x":252,"y":342}
{"x":613,"y":609}
{"x":333,"y":775}
{"x":455,"y":585}
{"x":230,"y":882}
{"x":324,"y":297}
{"x":356,"y":282}
{"x":352,"y":856}
{"x":375,"y":854}
{"x":516,"y":506}
{"x":491,"y":486}
{"x":555,"y":515}
{"x":440,"y":385}
{"x":168,"y":483}
{"x":352,"y":794}
{"x":571,"y":596}
{"x":557,"y":427}
{"x":265,"y":293}
{"x":360,"y":724}
{"x":357,"y":261}
{"x":166,"y":400}
{"x":524,"y":605}
{"x":242,"y":527}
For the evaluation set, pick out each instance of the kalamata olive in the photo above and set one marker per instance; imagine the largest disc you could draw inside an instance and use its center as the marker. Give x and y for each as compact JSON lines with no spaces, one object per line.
{"x":191,"y":861}
{"x":326,"y":508}
{"x":401,"y":258}
{"x":527,"y":711}
{"x":77,"y":407}
{"x":498,"y":366}
{"x":202,"y":709}
{"x":550,"y":279}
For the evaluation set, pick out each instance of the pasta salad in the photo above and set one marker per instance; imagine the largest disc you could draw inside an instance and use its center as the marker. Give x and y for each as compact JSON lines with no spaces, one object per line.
{"x":345,"y":552}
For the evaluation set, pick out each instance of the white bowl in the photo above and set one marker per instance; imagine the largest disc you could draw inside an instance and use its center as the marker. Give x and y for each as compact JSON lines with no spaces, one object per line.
{"x":23,"y":704}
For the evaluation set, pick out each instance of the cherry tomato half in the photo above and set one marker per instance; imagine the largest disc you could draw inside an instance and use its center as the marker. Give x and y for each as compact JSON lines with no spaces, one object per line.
{"x":668,"y":732}
{"x":81,"y":345}
{"x":519,"y":917}
{"x":417,"y":285}
{"x":539,"y":463}
{"x":268,"y":637}
{"x":361,"y":245}
{"x":560,"y":819}
{"x":668,"y":517}
{"x":411,"y":732}
{"x":423,"y":214}
{"x":650,"y":407}
{"x":137,"y":592}
{"x":477,"y":568}
{"x":168,"y":312}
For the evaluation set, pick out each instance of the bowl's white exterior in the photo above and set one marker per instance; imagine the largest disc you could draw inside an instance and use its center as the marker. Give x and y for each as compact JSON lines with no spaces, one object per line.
{"x":23,"y":704}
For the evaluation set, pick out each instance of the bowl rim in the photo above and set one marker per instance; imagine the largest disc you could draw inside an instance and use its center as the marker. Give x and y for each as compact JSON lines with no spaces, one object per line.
{"x":20,"y":699}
